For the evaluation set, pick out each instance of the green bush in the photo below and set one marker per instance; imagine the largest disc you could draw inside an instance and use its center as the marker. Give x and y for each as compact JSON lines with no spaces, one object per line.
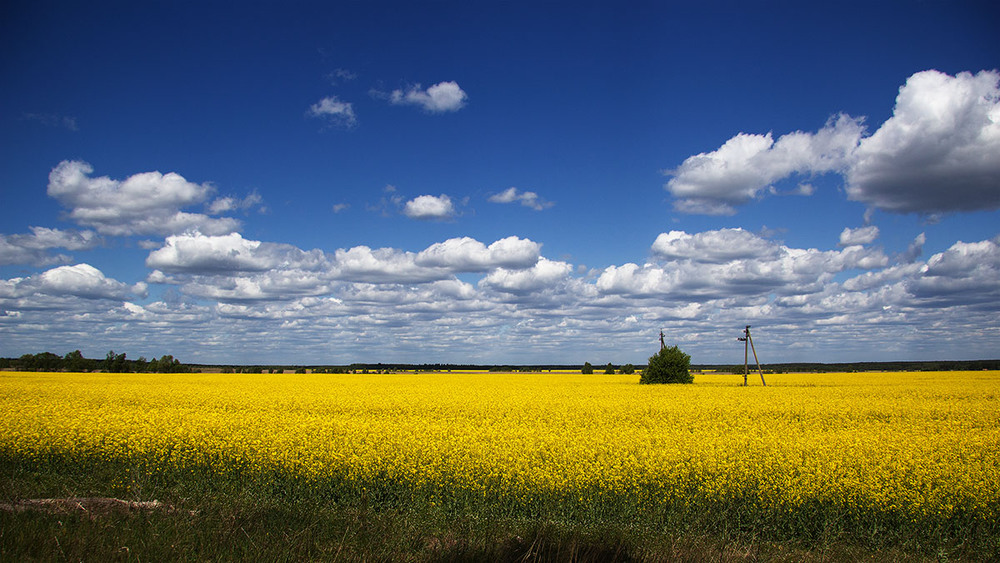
{"x":669,"y":365}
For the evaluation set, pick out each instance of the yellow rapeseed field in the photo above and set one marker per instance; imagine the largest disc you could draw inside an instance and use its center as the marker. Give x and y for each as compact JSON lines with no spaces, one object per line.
{"x":907,"y":446}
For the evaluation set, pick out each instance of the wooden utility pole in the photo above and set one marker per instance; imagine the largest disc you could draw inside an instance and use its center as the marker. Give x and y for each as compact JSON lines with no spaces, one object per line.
{"x":748,"y":342}
{"x":662,"y":345}
{"x":746,"y":353}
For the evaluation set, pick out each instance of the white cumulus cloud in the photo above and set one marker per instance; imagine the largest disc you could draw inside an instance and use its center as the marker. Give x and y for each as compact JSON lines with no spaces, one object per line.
{"x":713,"y":246}
{"x":730,"y":262}
{"x":33,"y":248}
{"x":231,"y":203}
{"x":543,"y":275}
{"x":142,"y":204}
{"x":429,"y":207}
{"x":738,"y":171}
{"x":940,"y":150}
{"x":861,"y":235}
{"x":469,"y":255}
{"x":439,"y":98}
{"x":938,"y":153}
{"x":527,"y":199}
{"x":84,"y":280}
{"x":226,"y":253}
{"x":335,"y":111}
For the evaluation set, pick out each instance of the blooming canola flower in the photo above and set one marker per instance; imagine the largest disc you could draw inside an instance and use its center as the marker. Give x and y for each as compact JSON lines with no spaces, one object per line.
{"x":910,"y":444}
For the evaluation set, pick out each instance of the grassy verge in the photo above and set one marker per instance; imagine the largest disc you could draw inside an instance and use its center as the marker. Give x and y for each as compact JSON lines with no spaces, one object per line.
{"x":206,"y":516}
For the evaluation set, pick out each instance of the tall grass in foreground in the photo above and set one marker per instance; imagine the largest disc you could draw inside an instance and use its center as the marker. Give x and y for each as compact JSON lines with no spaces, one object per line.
{"x":880,"y":461}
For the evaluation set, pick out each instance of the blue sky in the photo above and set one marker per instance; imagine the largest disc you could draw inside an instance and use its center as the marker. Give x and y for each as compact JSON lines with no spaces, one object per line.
{"x":500,"y":182}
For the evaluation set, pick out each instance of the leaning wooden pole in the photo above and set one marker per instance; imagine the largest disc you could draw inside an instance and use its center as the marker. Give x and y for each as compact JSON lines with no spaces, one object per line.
{"x":746,"y":352}
{"x":760,"y":371}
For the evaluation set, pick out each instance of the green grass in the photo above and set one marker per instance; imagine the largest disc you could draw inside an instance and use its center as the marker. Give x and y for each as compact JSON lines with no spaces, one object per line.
{"x":276,"y":518}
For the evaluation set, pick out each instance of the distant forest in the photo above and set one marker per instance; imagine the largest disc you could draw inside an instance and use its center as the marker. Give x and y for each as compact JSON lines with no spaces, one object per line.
{"x":112,"y":363}
{"x":119,"y":363}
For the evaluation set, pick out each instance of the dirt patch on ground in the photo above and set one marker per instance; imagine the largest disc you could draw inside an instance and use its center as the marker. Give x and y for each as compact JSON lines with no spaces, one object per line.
{"x":92,"y":506}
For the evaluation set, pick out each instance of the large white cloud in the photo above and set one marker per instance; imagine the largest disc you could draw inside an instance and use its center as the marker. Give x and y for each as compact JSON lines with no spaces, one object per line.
{"x":84,"y":280}
{"x":544,"y":275}
{"x":228,"y":253}
{"x":938,"y":153}
{"x":439,"y":98}
{"x":738,"y":171}
{"x":78,"y":280}
{"x":149,"y":203}
{"x":940,"y":150}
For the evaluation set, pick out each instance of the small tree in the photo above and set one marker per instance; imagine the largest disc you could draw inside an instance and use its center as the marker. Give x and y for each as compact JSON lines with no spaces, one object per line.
{"x":587,"y":368}
{"x":610,"y":369}
{"x":669,"y":365}
{"x":628,"y":369}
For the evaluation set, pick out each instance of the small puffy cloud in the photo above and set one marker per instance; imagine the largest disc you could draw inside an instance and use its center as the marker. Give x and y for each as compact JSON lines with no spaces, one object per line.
{"x":469,"y":255}
{"x":338,"y":207}
{"x":914,"y":250}
{"x":439,"y":98}
{"x":390,"y":202}
{"x":84,"y":280}
{"x":940,"y":150}
{"x":146,"y":203}
{"x":428,"y":207}
{"x":33,"y":248}
{"x":527,"y":199}
{"x":861,"y":235}
{"x":805,"y":189}
{"x":738,"y":171}
{"x":334,"y":111}
{"x":230,"y":203}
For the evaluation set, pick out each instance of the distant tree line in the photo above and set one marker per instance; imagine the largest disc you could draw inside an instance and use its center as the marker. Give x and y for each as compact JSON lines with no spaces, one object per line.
{"x":811,"y":367}
{"x":119,"y":363}
{"x":75,"y":362}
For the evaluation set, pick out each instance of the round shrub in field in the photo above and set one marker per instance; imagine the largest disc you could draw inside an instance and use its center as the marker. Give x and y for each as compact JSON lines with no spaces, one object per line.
{"x":669,"y":365}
